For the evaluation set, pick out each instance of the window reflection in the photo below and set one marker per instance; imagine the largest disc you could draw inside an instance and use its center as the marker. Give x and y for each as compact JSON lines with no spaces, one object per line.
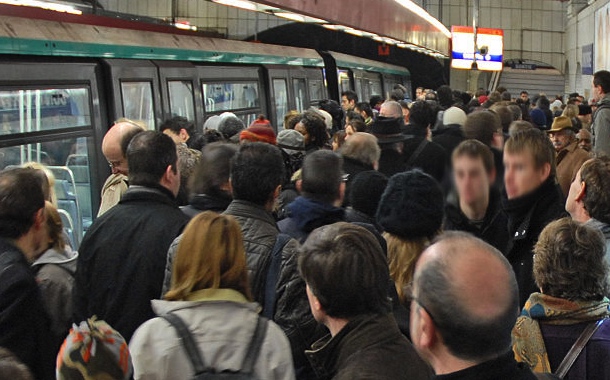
{"x":181,"y":101}
{"x":138,"y":102}
{"x":230,"y":96}
{"x":280,"y":94}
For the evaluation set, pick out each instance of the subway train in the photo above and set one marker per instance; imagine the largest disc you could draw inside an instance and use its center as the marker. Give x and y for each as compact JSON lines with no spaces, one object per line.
{"x":66,"y":78}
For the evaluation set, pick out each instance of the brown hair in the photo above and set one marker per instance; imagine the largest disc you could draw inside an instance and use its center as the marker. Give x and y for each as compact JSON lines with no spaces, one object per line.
{"x":595,"y":174}
{"x":569,"y":261}
{"x":402,"y":257}
{"x":210,"y":256}
{"x":482,"y":125}
{"x":537,"y":143}
{"x":55,"y":227}
{"x":477,"y":150}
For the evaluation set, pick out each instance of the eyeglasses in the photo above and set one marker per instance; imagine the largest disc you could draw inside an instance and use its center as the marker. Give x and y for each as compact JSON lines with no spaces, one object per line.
{"x":411,"y":297}
{"x":114,"y":164}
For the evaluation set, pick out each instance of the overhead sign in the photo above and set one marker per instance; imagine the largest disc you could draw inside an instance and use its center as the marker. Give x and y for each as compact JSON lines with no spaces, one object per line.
{"x":587,"y":59}
{"x":490,"y":46}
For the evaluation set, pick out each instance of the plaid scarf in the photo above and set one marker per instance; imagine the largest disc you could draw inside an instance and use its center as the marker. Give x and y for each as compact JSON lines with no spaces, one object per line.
{"x":528,"y":344}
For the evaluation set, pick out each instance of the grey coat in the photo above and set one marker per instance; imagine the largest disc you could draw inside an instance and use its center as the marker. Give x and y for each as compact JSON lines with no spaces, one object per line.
{"x":600,"y":129}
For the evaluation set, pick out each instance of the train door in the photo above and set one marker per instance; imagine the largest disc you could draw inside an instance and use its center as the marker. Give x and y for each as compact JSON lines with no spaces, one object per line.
{"x":135,"y":92}
{"x":371,"y":85}
{"x":51,"y":114}
{"x":315,"y":85}
{"x":180,"y":91}
{"x":281,"y":100}
{"x":232,"y":89}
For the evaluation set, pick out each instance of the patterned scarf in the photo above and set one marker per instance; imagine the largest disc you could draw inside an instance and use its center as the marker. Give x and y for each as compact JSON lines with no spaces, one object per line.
{"x":528,"y":344}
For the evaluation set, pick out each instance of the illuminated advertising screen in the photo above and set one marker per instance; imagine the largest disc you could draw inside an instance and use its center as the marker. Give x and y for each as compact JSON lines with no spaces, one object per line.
{"x":490,"y":45}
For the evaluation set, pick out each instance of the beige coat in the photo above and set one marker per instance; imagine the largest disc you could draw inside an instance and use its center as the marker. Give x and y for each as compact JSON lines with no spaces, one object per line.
{"x":569,"y":161}
{"x":222,"y":323}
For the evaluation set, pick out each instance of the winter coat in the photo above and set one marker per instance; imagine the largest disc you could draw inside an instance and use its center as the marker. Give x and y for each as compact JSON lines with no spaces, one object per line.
{"x":122,"y":259}
{"x":55,"y":276}
{"x":600,"y":128}
{"x":527,"y":217}
{"x":368,"y":347}
{"x":503,"y":367}
{"x":306,"y":215}
{"x":222,"y":323}
{"x":24,"y":324}
{"x":355,"y":216}
{"x":112,"y":191}
{"x":292,"y":312}
{"x":493,"y":227}
{"x":594,"y":361}
{"x":202,"y":202}
{"x":432,"y":159}
{"x":569,"y":161}
{"x":449,"y":138}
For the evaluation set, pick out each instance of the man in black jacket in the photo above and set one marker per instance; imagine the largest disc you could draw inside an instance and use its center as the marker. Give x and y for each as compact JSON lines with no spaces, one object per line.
{"x":122,"y":257}
{"x":532,"y":199}
{"x":347,"y":274}
{"x":24,"y":324}
{"x":478,"y":207}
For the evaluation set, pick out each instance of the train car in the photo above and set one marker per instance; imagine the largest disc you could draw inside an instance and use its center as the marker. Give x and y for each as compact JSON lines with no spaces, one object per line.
{"x":65,"y":81}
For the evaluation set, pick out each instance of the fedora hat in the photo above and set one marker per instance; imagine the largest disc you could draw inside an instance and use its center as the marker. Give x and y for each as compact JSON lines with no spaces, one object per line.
{"x":560,"y":123}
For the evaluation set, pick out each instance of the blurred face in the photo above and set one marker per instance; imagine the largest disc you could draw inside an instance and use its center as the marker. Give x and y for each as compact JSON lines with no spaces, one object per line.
{"x":596,"y":92}
{"x":300,"y":127}
{"x":521,"y":176}
{"x":471,"y":179}
{"x":346,"y":104}
{"x":560,"y":139}
{"x":116,"y":160}
{"x":406,"y":115}
{"x":524,"y":97}
{"x":575,"y":188}
{"x":584,"y":141}
{"x":349,"y":130}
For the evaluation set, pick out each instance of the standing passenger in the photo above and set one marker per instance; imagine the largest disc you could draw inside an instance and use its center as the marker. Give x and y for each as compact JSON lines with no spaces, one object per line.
{"x":114,"y":147}
{"x":364,"y":340}
{"x":600,"y":127}
{"x":532,"y":200}
{"x":210,"y":293}
{"x":313,"y":129}
{"x":348,"y":100}
{"x":122,"y":257}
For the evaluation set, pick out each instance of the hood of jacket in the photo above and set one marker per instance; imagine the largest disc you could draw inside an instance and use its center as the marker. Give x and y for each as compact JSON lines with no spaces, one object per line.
{"x":65,"y":258}
{"x":309,"y":214}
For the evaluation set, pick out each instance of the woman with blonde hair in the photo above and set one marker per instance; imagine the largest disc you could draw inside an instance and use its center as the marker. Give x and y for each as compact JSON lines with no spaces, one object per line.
{"x":210,"y":294}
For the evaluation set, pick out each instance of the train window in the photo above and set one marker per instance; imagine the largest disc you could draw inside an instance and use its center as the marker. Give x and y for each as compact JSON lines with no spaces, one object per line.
{"x":68,"y":160}
{"x":32,"y":110}
{"x":138,"y":102}
{"x":181,"y":101}
{"x":316,"y":90}
{"x":300,"y":94}
{"x":344,"y":80}
{"x":280,"y":94}
{"x":230,"y":96}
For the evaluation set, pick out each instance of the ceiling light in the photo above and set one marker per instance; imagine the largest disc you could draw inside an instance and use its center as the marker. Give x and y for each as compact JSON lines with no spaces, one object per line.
{"x":290,"y":16}
{"x":410,"y":5}
{"x":243,"y":4}
{"x":44,"y":5}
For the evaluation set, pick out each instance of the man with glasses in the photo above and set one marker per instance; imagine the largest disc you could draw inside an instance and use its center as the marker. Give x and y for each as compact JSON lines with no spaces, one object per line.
{"x":114,"y":147}
{"x":465,"y":302}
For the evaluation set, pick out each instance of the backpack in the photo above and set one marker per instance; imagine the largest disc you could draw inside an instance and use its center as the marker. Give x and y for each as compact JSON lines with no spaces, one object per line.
{"x":273,"y":275}
{"x":203,"y":372}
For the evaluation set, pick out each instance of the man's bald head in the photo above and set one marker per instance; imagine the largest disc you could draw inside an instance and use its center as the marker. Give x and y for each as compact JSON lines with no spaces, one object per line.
{"x":362,"y":147}
{"x":470,"y":291}
{"x":391,"y":109}
{"x":115,"y":142}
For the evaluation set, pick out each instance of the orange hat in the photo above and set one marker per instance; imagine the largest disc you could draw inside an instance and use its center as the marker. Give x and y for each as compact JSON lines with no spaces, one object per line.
{"x":258,"y":133}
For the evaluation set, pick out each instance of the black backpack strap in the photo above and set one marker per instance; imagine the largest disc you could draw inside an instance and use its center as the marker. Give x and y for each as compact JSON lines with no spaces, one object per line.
{"x":188,"y":342}
{"x":415,"y":155}
{"x":273,"y":274}
{"x":255,"y":345}
{"x":577,"y":348}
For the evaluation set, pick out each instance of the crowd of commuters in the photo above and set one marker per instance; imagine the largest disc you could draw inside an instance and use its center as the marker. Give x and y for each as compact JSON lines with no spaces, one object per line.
{"x":458,"y":236}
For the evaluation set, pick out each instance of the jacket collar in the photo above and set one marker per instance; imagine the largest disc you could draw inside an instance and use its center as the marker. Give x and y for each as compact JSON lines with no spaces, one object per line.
{"x":500,"y":367}
{"x":603,"y":227}
{"x":154,"y":193}
{"x":309,"y":214}
{"x":217,"y":295}
{"x":208,"y":202}
{"x":10,"y":253}
{"x":250,"y":210}
{"x":454,"y":212}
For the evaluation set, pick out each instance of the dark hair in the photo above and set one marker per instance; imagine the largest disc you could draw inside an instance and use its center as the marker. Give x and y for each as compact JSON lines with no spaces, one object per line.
{"x":21,"y":197}
{"x":422,"y":114}
{"x":335,"y":111}
{"x":482,"y":125}
{"x":256,"y":171}
{"x":346,"y":269}
{"x":465,"y":335}
{"x":148,"y":155}
{"x":506,"y":96}
{"x":177,"y":123}
{"x":397,"y":94}
{"x":366,"y":108}
{"x":524,"y":92}
{"x":12,"y":368}
{"x":316,"y":127}
{"x":516,"y":111}
{"x":477,"y":150}
{"x":230,"y":125}
{"x":538,"y":144}
{"x":322,"y":175}
{"x":595,"y":174}
{"x":374,"y":100}
{"x":505,"y":115}
{"x":339,"y":138}
{"x":350,"y":95}
{"x":445,"y":96}
{"x":543,"y":103}
{"x":353,"y":115}
{"x":358,"y":126}
{"x":569,"y":261}
{"x":602,"y":78}
{"x":212,"y":136}
{"x":213,"y":170}
{"x":128,"y":134}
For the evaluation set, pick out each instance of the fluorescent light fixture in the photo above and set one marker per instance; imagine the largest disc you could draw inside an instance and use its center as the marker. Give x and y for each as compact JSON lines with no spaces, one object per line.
{"x":425,"y":15}
{"x":290,"y":16}
{"x":314,"y":20}
{"x":185,"y":26}
{"x":242,"y":4}
{"x":354,"y":32}
{"x":334,"y":27}
{"x":44,"y":5}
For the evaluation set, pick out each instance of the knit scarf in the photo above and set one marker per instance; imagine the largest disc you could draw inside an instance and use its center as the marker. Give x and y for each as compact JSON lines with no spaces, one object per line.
{"x":528,"y":344}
